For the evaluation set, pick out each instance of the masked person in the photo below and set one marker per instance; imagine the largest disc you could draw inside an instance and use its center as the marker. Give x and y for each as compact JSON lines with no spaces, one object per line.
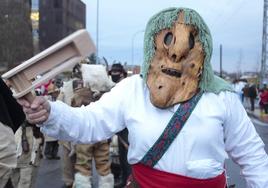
{"x":11,"y":117}
{"x":183,"y":121}
{"x":85,"y":153}
{"x":77,"y":158}
{"x":117,"y":74}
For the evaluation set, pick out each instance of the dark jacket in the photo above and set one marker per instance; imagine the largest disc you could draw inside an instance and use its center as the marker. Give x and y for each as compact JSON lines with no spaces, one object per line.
{"x":11,"y":113}
{"x":252,"y":92}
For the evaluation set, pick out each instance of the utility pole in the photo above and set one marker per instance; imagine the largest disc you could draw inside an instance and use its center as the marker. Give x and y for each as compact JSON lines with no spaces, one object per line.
{"x":220,"y":60}
{"x":264,"y":44}
{"x":97,"y":33}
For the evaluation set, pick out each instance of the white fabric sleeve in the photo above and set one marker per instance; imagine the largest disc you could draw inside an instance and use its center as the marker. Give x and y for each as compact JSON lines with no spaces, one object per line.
{"x":88,"y":124}
{"x":243,"y":144}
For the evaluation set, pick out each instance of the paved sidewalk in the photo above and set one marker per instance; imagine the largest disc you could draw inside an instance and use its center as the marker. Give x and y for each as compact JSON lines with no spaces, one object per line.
{"x":258,"y":115}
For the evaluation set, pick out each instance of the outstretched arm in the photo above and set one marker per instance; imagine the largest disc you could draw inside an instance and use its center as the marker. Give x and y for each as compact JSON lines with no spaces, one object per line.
{"x":87,"y":124}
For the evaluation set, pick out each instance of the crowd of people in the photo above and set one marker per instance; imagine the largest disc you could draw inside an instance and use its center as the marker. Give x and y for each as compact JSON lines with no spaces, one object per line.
{"x":26,"y":145}
{"x":252,"y":95}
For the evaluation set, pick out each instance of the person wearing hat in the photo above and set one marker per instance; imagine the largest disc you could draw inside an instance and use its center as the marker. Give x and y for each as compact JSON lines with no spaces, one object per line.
{"x":183,"y":120}
{"x":117,"y":72}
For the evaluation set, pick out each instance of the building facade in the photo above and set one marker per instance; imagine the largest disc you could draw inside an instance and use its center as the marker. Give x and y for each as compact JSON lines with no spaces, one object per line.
{"x":16,"y":33}
{"x":35,"y":25}
{"x":58,"y":19}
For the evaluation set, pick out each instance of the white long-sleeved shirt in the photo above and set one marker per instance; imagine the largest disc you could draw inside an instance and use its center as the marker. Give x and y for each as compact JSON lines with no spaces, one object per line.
{"x":218,"y":126}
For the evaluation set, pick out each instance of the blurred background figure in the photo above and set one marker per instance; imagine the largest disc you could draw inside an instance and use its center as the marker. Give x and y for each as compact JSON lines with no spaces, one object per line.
{"x":87,"y":84}
{"x":29,"y":142}
{"x":264,"y":100}
{"x":252,"y":93}
{"x":66,"y":95}
{"x":238,"y":86}
{"x":246,"y":100}
{"x":51,"y":144}
{"x":11,"y":117}
{"x":117,"y":74}
{"x":86,"y":153}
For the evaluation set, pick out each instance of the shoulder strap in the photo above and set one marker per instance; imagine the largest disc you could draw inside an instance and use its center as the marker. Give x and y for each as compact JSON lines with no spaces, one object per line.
{"x":173,"y":128}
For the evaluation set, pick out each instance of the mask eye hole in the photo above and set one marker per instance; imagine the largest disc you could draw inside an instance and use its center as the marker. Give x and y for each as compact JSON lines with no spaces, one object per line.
{"x":191,"y":41}
{"x":168,"y":38}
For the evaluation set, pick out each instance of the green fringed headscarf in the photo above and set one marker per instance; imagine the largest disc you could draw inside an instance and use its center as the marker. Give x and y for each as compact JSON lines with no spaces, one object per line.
{"x":165,"y":20}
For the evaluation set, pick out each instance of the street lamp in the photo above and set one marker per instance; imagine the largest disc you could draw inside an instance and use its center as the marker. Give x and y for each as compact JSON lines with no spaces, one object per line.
{"x":132,"y":45}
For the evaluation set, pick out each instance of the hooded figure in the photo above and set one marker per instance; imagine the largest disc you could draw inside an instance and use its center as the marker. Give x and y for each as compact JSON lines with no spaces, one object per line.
{"x":183,"y":121}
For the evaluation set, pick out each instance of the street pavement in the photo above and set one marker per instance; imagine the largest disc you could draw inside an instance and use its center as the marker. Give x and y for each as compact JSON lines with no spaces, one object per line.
{"x":50,"y":176}
{"x":257,"y":114}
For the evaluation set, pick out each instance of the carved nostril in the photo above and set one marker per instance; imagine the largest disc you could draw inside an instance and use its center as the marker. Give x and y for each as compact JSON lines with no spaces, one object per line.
{"x":174,"y":57}
{"x":182,"y":58}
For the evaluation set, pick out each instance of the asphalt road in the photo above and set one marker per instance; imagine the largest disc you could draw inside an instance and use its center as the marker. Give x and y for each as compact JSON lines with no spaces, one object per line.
{"x":49,"y":174}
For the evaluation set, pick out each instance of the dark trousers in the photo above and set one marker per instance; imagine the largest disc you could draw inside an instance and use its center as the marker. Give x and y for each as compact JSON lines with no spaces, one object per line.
{"x":252,"y":104}
{"x":125,"y":167}
{"x":9,"y":184}
{"x":265,"y":106}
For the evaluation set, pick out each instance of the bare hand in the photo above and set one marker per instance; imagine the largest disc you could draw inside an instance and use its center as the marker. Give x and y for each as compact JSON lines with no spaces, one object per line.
{"x":38,"y":111}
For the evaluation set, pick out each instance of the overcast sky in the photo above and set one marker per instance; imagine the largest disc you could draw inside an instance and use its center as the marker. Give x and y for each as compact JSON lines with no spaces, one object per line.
{"x":236,"y":24}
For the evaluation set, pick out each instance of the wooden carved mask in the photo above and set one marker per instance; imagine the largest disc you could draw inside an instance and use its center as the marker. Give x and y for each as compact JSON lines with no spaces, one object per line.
{"x":176,"y":67}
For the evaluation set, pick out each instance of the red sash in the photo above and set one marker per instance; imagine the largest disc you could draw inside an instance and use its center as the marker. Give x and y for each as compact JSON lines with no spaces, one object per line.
{"x":147,"y":177}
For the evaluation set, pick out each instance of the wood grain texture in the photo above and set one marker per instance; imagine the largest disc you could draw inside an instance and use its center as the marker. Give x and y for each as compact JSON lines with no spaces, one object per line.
{"x":176,"y":68}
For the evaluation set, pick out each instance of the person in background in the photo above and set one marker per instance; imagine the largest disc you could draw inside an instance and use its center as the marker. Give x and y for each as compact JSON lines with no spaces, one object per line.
{"x":68,"y":151}
{"x":29,"y":142}
{"x":51,"y":144}
{"x":238,"y":86}
{"x":264,"y":100}
{"x":252,"y":93}
{"x":86,"y":153}
{"x":11,"y":117}
{"x":246,"y":102}
{"x":117,"y":74}
{"x":77,"y":165}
